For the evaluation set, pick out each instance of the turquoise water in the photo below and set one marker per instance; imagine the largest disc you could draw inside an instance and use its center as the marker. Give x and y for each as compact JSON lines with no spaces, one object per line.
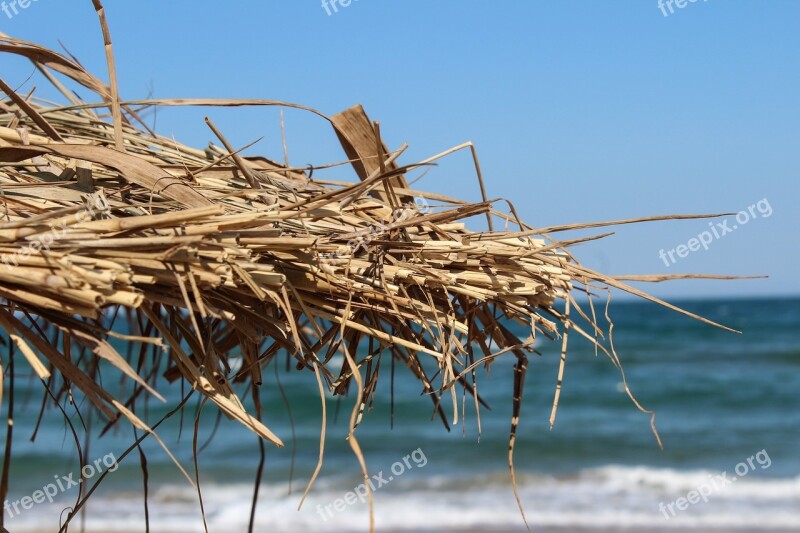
{"x":721,"y":399}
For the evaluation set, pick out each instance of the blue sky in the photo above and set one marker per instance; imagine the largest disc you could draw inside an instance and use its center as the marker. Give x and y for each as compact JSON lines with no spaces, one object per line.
{"x":581,"y":111}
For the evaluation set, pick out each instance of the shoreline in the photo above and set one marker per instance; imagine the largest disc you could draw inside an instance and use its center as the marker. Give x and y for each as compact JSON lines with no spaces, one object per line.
{"x":484,"y":529}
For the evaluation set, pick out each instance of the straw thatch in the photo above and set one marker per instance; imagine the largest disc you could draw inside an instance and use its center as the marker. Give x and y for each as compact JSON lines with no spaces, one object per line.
{"x":215,"y":257}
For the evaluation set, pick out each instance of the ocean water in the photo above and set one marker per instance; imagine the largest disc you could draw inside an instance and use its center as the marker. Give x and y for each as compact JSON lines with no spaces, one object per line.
{"x":727,"y":411}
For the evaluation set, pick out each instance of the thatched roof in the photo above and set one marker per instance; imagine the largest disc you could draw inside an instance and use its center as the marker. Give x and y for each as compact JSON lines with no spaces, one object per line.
{"x":215,"y":256}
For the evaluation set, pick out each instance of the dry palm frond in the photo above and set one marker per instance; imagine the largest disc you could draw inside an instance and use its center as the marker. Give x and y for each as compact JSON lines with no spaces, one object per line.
{"x":217,"y":256}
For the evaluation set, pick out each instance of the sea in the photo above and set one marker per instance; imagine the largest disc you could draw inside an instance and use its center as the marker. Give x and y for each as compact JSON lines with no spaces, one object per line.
{"x":726,"y":406}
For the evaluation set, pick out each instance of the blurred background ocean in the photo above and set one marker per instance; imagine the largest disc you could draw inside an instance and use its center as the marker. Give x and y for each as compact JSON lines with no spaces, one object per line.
{"x":720,"y":399}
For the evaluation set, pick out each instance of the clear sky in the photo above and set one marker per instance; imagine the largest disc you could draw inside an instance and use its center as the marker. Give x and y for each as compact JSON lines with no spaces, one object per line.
{"x":581,"y":111}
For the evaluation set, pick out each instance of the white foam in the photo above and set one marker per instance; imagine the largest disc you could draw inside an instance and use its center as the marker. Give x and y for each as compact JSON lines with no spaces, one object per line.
{"x":611,"y":496}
